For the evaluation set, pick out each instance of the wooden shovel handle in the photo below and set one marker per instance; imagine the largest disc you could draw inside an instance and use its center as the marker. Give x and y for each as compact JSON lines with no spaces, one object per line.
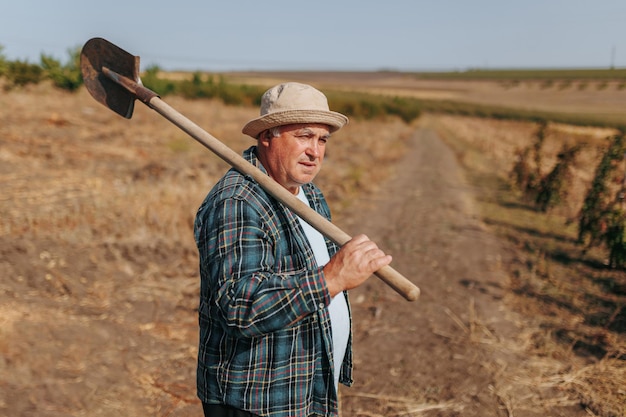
{"x":390,"y":276}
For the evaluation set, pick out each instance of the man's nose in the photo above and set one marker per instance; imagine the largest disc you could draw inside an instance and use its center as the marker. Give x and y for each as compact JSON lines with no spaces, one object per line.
{"x":314,"y":149}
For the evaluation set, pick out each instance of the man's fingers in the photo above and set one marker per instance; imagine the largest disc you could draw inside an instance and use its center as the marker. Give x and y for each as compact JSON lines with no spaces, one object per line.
{"x":354,"y":263}
{"x":379,"y":262}
{"x":372,"y":258}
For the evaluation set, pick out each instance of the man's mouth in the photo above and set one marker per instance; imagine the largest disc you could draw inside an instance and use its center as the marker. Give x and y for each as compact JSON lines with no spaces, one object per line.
{"x":308,"y":164}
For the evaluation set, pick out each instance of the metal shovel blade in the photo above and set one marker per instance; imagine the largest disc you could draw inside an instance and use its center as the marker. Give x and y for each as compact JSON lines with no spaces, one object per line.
{"x":98,"y":53}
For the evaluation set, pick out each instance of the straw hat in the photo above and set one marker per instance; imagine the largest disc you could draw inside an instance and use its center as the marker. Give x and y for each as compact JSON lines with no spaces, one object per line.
{"x":292,"y":103}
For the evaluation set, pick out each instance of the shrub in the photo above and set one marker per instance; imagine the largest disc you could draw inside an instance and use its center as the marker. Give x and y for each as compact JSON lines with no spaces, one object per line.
{"x":3,"y":62}
{"x":150,"y":79}
{"x":238,"y":94}
{"x":614,"y":237}
{"x":526,"y":176}
{"x":20,"y":73}
{"x":68,"y":76}
{"x":552,"y":188}
{"x":369,"y":107}
{"x":602,"y":218}
{"x":196,"y":87}
{"x":522,"y":174}
{"x":407,"y":110}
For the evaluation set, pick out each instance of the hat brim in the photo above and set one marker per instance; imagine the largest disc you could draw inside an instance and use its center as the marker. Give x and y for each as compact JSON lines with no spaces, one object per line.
{"x":333,"y":119}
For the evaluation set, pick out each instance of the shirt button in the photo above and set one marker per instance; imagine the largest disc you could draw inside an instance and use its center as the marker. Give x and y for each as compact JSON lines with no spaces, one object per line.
{"x":322,"y":306}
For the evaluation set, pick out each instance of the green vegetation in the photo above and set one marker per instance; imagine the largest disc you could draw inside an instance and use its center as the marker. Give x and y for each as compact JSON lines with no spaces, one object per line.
{"x":203,"y":86}
{"x":552,"y":189}
{"x":3,"y":61}
{"x":547,"y":191}
{"x":368,"y":106}
{"x":525,"y":176}
{"x":152,"y":81}
{"x":21,"y":73}
{"x":513,"y":75}
{"x":66,"y":77}
{"x":603,"y":218}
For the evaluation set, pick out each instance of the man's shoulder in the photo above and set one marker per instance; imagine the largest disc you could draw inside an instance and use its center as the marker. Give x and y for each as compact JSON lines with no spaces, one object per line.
{"x":235,"y":185}
{"x":232,"y":190}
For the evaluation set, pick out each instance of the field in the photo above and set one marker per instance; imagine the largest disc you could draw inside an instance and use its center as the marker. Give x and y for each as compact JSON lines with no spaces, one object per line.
{"x":554,"y":93}
{"x":99,"y":269}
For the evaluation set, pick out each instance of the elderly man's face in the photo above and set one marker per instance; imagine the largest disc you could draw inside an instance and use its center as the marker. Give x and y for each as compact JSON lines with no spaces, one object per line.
{"x":295,"y":157}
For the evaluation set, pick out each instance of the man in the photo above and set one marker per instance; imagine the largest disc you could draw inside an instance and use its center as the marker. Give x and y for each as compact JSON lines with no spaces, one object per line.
{"x":274,"y":317}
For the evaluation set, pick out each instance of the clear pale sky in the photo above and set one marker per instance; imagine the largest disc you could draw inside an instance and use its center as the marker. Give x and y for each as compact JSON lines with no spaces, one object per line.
{"x":404,"y":35}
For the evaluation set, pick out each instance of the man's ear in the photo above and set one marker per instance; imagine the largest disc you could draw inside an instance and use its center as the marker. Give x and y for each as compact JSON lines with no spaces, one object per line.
{"x":264,"y":138}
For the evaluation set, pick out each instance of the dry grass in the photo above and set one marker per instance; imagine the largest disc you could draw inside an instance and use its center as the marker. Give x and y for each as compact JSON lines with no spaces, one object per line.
{"x":106,"y":173}
{"x":398,"y":406}
{"x":97,"y":256}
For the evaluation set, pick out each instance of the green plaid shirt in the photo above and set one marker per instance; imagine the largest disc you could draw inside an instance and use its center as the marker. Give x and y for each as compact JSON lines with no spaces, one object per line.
{"x":265,"y":333}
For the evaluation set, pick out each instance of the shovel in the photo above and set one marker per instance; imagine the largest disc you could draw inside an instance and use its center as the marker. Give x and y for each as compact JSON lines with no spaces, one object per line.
{"x":111,"y":76}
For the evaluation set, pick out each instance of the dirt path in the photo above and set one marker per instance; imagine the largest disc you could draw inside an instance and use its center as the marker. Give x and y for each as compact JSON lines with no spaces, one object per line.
{"x":445,"y":352}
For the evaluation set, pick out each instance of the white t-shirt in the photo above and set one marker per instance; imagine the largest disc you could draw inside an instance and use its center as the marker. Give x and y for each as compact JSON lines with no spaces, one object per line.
{"x":338,"y":308}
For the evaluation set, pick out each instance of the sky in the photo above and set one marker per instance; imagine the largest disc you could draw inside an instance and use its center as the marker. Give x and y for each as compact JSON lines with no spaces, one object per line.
{"x":348,"y":35}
